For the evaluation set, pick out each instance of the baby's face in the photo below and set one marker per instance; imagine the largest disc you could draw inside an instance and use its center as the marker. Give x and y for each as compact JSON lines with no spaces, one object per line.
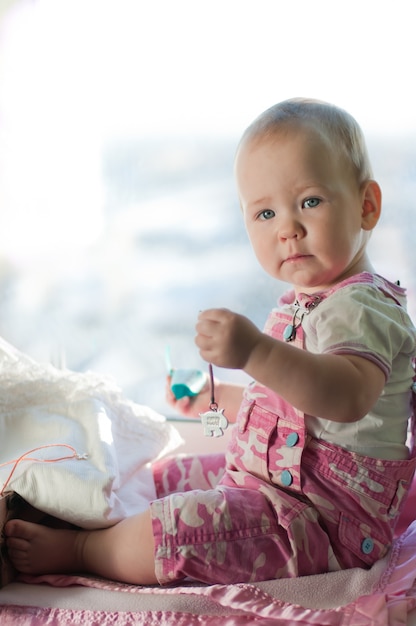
{"x":302,"y":208}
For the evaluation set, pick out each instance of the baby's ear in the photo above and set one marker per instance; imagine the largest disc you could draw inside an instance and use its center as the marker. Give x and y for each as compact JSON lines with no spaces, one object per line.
{"x":371,"y":204}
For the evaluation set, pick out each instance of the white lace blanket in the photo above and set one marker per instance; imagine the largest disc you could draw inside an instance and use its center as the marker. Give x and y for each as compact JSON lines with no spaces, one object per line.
{"x":43,"y":406}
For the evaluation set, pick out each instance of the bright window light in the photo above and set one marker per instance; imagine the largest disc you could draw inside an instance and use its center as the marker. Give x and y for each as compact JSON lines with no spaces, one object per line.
{"x":119,"y":119}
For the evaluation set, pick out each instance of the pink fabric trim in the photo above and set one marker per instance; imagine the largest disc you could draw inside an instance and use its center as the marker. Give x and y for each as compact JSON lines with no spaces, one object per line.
{"x":393,"y":597}
{"x":346,"y":349}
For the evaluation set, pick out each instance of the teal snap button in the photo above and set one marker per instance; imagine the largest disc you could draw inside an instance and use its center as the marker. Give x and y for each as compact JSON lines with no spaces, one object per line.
{"x":287,"y":478}
{"x":292,"y":439}
{"x":367,"y":545}
{"x":289,"y":332}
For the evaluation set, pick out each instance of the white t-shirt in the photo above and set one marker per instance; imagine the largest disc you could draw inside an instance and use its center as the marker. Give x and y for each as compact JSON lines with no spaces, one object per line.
{"x":360,"y":319}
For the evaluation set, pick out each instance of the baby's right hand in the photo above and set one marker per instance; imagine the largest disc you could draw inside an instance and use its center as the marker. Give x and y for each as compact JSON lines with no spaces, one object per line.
{"x":189,"y":406}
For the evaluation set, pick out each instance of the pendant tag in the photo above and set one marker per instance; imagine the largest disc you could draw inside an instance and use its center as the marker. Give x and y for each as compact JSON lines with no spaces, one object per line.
{"x":214,"y":423}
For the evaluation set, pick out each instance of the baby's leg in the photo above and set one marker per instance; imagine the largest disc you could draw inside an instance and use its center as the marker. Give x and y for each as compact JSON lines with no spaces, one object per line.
{"x":124,"y":552}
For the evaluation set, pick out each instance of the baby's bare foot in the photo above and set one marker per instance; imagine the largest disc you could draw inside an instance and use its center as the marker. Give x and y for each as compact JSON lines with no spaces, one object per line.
{"x":36,"y":549}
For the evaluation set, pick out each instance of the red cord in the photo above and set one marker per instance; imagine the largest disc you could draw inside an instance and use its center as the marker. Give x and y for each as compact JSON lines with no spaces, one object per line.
{"x":25,"y":457}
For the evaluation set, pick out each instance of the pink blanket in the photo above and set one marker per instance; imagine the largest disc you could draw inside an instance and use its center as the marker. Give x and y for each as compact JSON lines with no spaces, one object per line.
{"x":384,"y":595}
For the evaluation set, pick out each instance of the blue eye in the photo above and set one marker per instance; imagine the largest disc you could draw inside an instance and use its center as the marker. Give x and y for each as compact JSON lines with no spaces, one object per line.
{"x":267,"y":214}
{"x":311,"y":203}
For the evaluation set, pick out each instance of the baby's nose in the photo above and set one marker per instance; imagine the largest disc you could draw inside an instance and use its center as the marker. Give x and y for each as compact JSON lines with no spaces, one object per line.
{"x":290,"y":228}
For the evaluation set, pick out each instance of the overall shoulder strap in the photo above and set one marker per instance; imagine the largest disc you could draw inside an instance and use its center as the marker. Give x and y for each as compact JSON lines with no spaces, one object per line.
{"x":411,"y":441}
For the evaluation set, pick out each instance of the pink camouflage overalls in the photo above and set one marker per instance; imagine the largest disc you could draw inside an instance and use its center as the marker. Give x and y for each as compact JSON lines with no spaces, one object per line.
{"x":286,"y":505}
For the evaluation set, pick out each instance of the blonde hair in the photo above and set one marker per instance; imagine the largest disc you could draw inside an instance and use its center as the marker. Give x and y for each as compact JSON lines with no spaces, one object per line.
{"x":338,"y":126}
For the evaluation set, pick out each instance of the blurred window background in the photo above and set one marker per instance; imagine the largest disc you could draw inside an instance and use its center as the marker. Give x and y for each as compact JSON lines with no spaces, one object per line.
{"x":119,"y":120}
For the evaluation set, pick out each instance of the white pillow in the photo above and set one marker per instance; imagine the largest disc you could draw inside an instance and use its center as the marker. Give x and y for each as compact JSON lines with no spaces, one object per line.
{"x":114,"y":442}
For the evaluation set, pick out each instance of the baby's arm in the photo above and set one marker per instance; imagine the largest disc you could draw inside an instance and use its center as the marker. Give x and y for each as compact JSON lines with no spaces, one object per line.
{"x":340,"y":388}
{"x":228,"y":396}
